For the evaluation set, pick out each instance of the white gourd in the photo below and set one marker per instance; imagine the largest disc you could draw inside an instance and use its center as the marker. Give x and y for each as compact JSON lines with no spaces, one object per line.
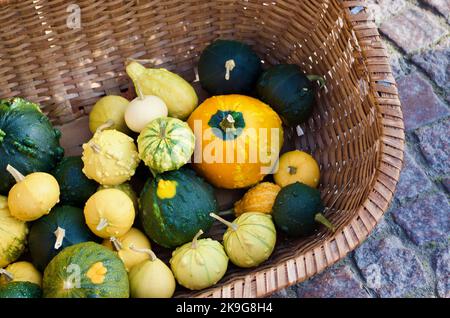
{"x":142,"y":110}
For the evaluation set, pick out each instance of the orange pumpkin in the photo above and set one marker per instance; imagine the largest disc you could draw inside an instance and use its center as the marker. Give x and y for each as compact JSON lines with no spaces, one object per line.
{"x":238,"y":140}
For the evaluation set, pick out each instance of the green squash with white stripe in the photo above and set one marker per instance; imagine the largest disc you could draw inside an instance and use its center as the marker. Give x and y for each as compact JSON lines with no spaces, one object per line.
{"x":166,"y":144}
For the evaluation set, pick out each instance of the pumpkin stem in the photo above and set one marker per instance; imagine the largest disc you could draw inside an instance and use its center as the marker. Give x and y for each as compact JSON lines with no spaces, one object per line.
{"x":194,"y":240}
{"x":227,"y":124}
{"x":107,"y":124}
{"x":9,"y":275}
{"x":139,"y":92}
{"x":317,"y":78}
{"x":319,"y":217}
{"x":229,"y":66}
{"x":232,"y":226}
{"x":15,"y":173}
{"x":144,"y":250}
{"x":60,"y":233}
{"x":116,"y":243}
{"x":102,"y":224}
{"x":292,"y":170}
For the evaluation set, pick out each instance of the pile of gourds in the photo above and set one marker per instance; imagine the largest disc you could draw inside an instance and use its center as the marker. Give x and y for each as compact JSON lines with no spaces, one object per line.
{"x":84,"y":225}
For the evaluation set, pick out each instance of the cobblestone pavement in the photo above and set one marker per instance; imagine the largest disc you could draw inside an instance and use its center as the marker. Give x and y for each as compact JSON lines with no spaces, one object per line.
{"x":408,"y":254}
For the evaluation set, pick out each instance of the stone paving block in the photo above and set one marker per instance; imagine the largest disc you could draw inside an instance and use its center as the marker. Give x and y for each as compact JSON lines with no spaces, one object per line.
{"x":289,"y":292}
{"x":426,"y":220}
{"x":413,"y":180}
{"x":420,"y":104}
{"x":391,"y":269}
{"x":413,"y":29}
{"x":336,"y":282}
{"x":436,"y":64}
{"x":446,"y":183}
{"x":434,"y":142}
{"x":383,"y":9}
{"x":443,"y":6}
{"x":442,"y":265}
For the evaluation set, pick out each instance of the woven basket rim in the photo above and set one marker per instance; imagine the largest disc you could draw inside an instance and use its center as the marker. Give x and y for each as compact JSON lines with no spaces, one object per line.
{"x":301,"y":267}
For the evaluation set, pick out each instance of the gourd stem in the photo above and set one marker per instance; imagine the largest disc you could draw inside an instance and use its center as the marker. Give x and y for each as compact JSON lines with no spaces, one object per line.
{"x":319,"y":217}
{"x":317,"y":78}
{"x":229,"y":66}
{"x":102,"y":224}
{"x":139,"y":91}
{"x":292,"y":170}
{"x":15,"y":173}
{"x":142,"y":61}
{"x":96,"y":148}
{"x":144,"y":250}
{"x":107,"y":124}
{"x":60,"y":233}
{"x":227,"y":123}
{"x":194,"y":240}
{"x":116,"y":243}
{"x":233,"y":226}
{"x":9,"y":275}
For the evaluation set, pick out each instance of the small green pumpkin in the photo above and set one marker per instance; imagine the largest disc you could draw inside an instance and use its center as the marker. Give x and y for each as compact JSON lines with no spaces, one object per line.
{"x":75,"y":187}
{"x":27,"y":140}
{"x":175,"y":205}
{"x":228,"y":67}
{"x":20,"y":290}
{"x":166,"y":144}
{"x":288,"y":91}
{"x":63,"y":227}
{"x":86,"y":270}
{"x":298,"y":209}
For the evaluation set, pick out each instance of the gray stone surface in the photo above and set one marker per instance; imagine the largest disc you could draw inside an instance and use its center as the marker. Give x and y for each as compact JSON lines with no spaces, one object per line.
{"x":420,"y":104}
{"x":413,"y":29}
{"x":442,"y":266}
{"x":384,"y":9}
{"x":434,"y":142}
{"x":443,"y":6}
{"x":389,"y":268}
{"x":338,"y":282}
{"x":425,"y":220}
{"x":435,"y":62}
{"x":413,"y":180}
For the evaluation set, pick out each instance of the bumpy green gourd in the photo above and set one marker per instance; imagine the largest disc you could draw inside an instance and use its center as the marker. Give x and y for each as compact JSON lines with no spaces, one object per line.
{"x":199,"y":264}
{"x":250,"y":239}
{"x":20,"y":290}
{"x":27,"y":140}
{"x":178,"y":95}
{"x":110,"y":157}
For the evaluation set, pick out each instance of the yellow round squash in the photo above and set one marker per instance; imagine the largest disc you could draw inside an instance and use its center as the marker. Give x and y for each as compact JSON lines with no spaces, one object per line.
{"x":109,"y":213}
{"x":20,"y":272}
{"x":199,"y":264}
{"x":109,"y":109}
{"x":124,"y":247}
{"x":297,"y":166}
{"x":128,"y":189}
{"x":32,"y":196}
{"x":151,"y":278}
{"x":260,"y":198}
{"x":238,"y":140}
{"x":250,"y":239}
{"x":110,"y":157}
{"x":13,"y":235}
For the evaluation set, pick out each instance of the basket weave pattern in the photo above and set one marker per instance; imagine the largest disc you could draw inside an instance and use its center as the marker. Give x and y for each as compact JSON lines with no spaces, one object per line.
{"x":356,"y":132}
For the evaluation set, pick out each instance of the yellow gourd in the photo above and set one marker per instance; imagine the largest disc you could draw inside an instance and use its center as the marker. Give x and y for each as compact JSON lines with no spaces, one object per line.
{"x":151,"y":278}
{"x":13,"y":235}
{"x":260,"y":198}
{"x":20,"y":272}
{"x":297,"y":166}
{"x":109,"y":109}
{"x":250,"y":239}
{"x":110,"y":157}
{"x":178,"y":95}
{"x":32,"y":196}
{"x":109,"y":213}
{"x":199,"y":264}
{"x":128,"y":189}
{"x":123,"y":244}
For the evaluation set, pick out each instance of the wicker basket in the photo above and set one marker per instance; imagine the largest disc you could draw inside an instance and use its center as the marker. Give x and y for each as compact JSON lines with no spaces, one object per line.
{"x":356,"y":132}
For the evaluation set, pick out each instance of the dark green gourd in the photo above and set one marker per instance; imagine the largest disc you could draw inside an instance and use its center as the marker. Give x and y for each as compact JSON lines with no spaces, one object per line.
{"x":28,"y":141}
{"x":20,"y":289}
{"x":228,"y":67}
